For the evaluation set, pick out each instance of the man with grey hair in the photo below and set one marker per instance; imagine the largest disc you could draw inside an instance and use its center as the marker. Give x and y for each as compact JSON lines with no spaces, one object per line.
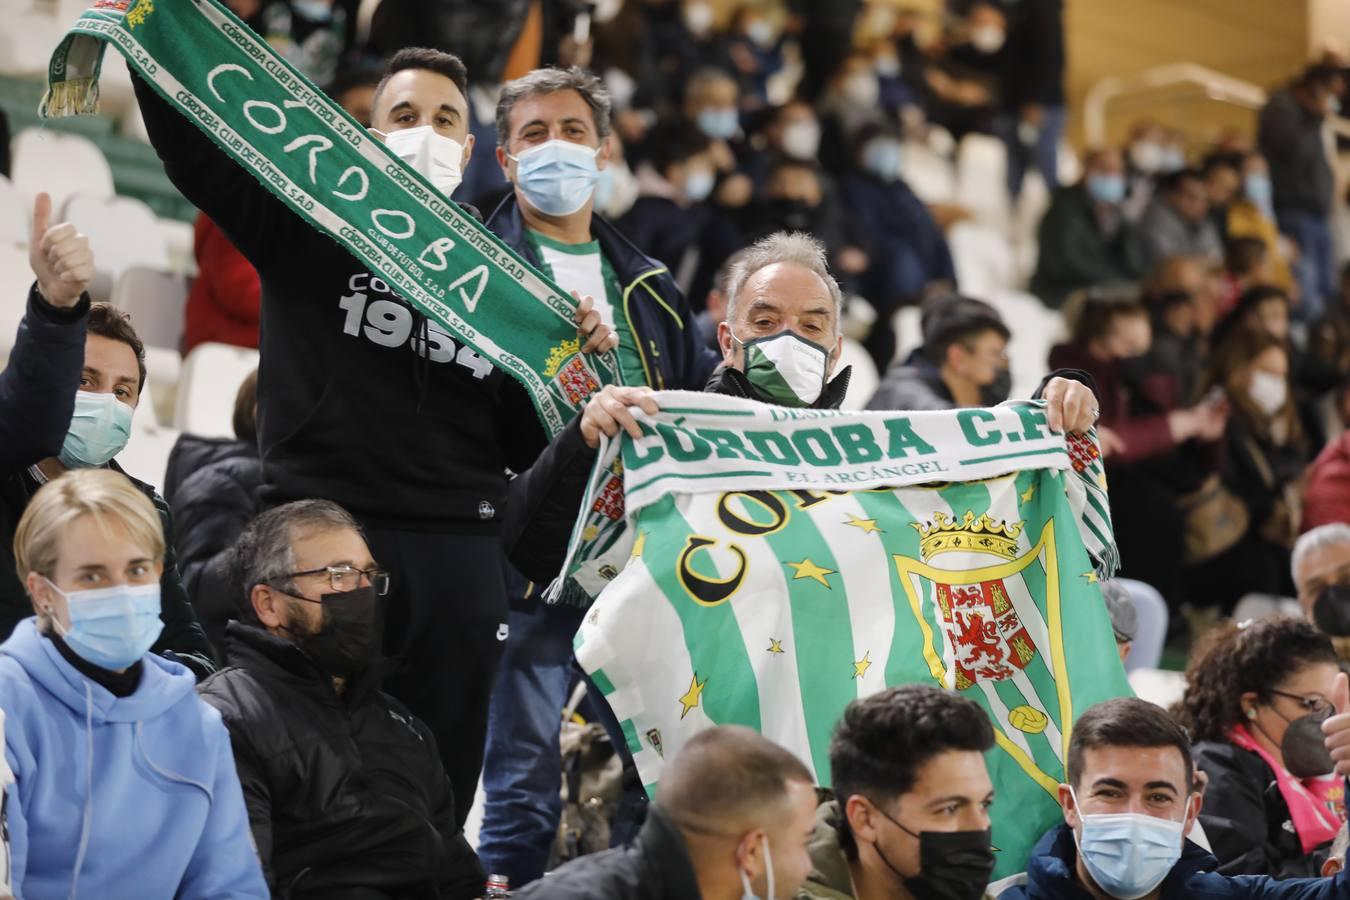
{"x":553,"y":139}
{"x":345,"y":790}
{"x":1321,"y":564}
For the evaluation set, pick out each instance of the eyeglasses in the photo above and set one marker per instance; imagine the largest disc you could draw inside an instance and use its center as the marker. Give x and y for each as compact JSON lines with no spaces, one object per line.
{"x":348,"y":578}
{"x":1318,"y":706}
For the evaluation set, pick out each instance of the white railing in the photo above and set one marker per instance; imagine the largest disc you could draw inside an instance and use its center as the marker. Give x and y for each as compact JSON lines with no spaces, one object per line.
{"x":1215,"y":86}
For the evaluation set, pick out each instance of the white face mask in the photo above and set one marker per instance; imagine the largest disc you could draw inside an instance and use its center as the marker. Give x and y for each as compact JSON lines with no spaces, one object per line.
{"x":1269,"y":392}
{"x":987,"y":38}
{"x":434,"y":155}
{"x":749,"y":893}
{"x":801,"y":140}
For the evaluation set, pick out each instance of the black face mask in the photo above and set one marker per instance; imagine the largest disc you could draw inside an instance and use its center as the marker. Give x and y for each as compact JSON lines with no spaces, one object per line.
{"x":1304,"y":747}
{"x":349,"y":641}
{"x":996,"y":391}
{"x":953,"y":865}
{"x":792,"y":215}
{"x":1331,"y":610}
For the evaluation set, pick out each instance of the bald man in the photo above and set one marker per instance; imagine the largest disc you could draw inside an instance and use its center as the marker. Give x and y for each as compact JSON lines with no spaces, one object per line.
{"x":731,"y":821}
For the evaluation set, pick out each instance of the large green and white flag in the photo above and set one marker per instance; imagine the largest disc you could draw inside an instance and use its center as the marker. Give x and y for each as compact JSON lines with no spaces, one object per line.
{"x":785,"y":562}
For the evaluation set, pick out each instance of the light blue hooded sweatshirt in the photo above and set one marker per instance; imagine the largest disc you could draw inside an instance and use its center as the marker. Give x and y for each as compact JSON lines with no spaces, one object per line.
{"x":165,"y":817}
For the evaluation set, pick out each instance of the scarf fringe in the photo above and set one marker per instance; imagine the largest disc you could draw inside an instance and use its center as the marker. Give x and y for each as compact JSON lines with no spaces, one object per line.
{"x":77,"y":97}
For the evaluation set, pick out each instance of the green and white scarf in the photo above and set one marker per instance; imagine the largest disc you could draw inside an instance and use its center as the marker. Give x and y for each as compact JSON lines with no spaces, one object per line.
{"x":326,"y":168}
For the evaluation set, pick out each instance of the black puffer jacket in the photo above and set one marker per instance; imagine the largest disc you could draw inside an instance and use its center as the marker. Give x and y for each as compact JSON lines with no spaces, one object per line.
{"x":211,"y":506}
{"x":1245,"y":816}
{"x":346,"y":795}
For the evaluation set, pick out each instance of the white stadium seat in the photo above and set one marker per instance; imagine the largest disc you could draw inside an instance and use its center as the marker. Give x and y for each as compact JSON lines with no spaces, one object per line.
{"x":60,"y":164}
{"x":15,"y":279}
{"x":981,"y":179}
{"x":146,"y":455}
{"x":155,"y":300}
{"x":984,"y":261}
{"x":864,"y":380}
{"x":15,"y":214}
{"x":929,"y":174}
{"x":123,"y":233}
{"x":211,"y":377}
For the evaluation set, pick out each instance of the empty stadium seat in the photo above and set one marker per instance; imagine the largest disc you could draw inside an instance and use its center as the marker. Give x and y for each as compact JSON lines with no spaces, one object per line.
{"x":983,"y":257}
{"x":60,"y":164}
{"x":15,"y":279}
{"x":146,"y":455}
{"x":929,"y":174}
{"x":211,"y":377}
{"x":864,"y":380}
{"x":155,"y":300}
{"x":981,"y":179}
{"x":123,"y":233}
{"x":1035,"y":329}
{"x":14,"y":214}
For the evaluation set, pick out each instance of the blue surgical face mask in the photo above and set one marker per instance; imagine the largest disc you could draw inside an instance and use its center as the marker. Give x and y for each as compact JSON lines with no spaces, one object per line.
{"x":698,"y":184}
{"x":557,"y":177}
{"x":99,"y":429}
{"x":1256,"y":185}
{"x":719,"y":124}
{"x":1106,"y":188}
{"x":883,"y":159}
{"x":1128,"y":854}
{"x":112,"y":627}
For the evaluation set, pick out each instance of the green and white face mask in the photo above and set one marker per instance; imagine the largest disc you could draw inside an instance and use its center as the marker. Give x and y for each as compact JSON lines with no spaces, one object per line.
{"x":786,"y":368}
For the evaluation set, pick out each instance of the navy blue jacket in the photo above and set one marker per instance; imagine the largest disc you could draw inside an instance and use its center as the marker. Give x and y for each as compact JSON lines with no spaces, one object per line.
{"x":1051,"y":876}
{"x":669,"y":341}
{"x":906,"y":247}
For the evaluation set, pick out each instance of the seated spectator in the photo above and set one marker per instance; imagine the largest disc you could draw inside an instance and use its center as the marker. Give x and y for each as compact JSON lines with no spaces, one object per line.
{"x":712,"y":107}
{"x":354,"y":91}
{"x":1202,"y":280}
{"x":1326,"y":489}
{"x":125,"y":785}
{"x":344,"y":787}
{"x":910,"y":816}
{"x":755,"y":46}
{"x":1255,"y":699}
{"x":1085,"y":238}
{"x":1330,"y":337}
{"x":1177,"y":351}
{"x":907,"y":253}
{"x":732,"y":818}
{"x":850,"y":104}
{"x":962,"y":77}
{"x":963,"y":361}
{"x":1222,"y":175}
{"x":1159,"y":450}
{"x":217,"y":499}
{"x":1130,"y":802}
{"x":1264,"y":453}
{"x":1146,"y":160}
{"x":715,"y":305}
{"x":1177,"y":222}
{"x":106,"y":394}
{"x":1124,"y":617}
{"x":1252,"y":214}
{"x":792,"y":131}
{"x":224,"y":302}
{"x":1321,"y":568}
{"x":1246,"y":265}
{"x":797,"y":198}
{"x":670,"y":220}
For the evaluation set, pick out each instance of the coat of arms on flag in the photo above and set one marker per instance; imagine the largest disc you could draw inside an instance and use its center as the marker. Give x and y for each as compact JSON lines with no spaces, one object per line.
{"x":785,"y":562}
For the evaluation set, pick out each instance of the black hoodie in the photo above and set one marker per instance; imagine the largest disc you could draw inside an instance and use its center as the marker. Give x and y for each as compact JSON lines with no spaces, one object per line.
{"x":347,"y":410}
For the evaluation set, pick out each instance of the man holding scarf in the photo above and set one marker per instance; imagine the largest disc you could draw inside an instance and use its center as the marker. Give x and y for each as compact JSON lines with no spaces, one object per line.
{"x":553,"y":128}
{"x":365,"y":402}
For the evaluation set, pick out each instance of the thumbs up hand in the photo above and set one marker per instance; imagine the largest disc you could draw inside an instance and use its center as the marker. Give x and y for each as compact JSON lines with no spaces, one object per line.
{"x":1337,"y":727}
{"x":60,"y":257}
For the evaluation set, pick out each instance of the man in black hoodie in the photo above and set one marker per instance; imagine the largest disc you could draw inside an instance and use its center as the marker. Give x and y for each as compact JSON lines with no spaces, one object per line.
{"x":363,"y":401}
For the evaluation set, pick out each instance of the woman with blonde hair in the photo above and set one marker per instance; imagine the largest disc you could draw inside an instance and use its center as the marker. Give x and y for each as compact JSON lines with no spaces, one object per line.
{"x":125,"y":785}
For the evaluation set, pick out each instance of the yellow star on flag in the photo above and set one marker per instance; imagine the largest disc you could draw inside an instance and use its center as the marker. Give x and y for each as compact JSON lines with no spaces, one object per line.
{"x":691,"y":696}
{"x":590,"y":533}
{"x":869,"y":526}
{"x":1090,"y":576}
{"x":1028,"y":493}
{"x":639,"y":544}
{"x":861,"y":666}
{"x":808,"y":569}
{"x":775,"y":646}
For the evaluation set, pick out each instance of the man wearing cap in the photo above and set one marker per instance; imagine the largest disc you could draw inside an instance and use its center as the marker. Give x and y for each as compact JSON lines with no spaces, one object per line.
{"x":1124,"y":617}
{"x":963,"y":361}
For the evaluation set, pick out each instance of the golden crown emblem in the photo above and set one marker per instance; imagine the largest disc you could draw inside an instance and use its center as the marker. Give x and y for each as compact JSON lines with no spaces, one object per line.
{"x":982,"y":535}
{"x":559,"y":355}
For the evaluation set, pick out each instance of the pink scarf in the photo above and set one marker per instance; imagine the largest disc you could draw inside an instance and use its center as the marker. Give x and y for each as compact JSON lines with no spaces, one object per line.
{"x":1316,"y":805}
